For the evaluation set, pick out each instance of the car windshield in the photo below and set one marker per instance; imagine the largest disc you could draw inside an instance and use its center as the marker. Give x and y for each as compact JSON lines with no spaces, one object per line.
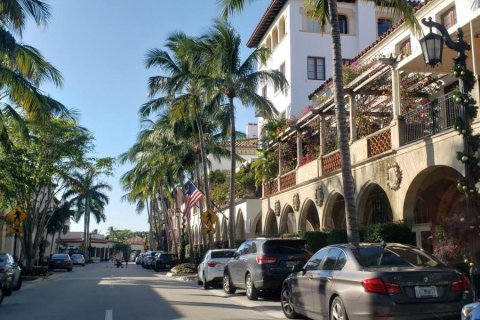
{"x":286,"y":247}
{"x":60,"y":256}
{"x":77,"y":256}
{"x":222,"y":254}
{"x":166,"y":257}
{"x":394,"y":256}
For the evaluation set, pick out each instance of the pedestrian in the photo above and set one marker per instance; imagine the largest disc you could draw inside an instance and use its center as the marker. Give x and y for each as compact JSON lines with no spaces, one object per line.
{"x":126,"y":262}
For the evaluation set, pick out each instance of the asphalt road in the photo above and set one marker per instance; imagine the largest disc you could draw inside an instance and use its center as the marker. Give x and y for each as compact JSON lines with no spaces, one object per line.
{"x":99,"y":292}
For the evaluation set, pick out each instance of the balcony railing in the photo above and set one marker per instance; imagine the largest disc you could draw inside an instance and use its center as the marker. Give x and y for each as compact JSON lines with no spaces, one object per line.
{"x":430,"y":118}
{"x":331,"y":162}
{"x":379,"y":143}
{"x":288,"y":180}
{"x":270,"y":187}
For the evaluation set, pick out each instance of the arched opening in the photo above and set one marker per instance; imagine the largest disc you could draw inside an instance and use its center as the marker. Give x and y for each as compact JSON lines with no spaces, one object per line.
{"x":288,"y":222}
{"x":271,"y":225}
{"x":281,"y":28}
{"x":335,"y":212}
{"x":274,"y":38}
{"x":224,"y":231}
{"x":240,"y":226}
{"x":375,"y":206}
{"x":309,"y":220}
{"x":431,"y":200}
{"x":257,"y":225}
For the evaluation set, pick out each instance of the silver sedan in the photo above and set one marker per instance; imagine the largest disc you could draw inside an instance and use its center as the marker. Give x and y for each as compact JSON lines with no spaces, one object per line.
{"x":212,"y":265}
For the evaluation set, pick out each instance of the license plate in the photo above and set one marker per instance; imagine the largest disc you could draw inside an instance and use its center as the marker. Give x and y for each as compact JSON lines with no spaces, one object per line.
{"x":426,"y":292}
{"x":290,"y":264}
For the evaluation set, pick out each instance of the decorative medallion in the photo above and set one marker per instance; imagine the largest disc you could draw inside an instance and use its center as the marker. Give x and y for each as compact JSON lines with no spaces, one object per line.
{"x":277,"y":208}
{"x":296,"y":201}
{"x":394,"y":176}
{"x":319,"y":196}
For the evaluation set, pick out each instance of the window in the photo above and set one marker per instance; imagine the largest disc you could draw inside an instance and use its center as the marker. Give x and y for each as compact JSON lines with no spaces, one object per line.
{"x":406,"y":47}
{"x":264,"y":91}
{"x":315,"y":261}
{"x":383,"y":25}
{"x":335,"y":260}
{"x":449,"y":18}
{"x":316,"y":68}
{"x":343,"y":24}
{"x":311,"y":25}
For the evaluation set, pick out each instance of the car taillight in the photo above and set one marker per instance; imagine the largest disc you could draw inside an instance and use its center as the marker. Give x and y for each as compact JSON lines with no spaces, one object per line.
{"x":461,"y":285}
{"x":212,"y":264}
{"x":377,"y":285}
{"x":265,"y":259}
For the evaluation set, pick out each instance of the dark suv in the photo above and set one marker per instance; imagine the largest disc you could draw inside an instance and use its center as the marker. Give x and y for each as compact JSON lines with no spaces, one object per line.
{"x":262,"y":264}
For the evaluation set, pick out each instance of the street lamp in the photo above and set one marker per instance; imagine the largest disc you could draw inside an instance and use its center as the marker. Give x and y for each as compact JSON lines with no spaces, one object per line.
{"x":432,"y":47}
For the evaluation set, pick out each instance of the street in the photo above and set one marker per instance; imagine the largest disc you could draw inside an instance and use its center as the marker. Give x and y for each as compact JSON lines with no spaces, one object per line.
{"x":99,"y":292}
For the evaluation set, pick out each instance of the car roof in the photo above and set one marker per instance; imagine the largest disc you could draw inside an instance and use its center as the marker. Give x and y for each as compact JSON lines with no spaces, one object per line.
{"x":219,"y":250}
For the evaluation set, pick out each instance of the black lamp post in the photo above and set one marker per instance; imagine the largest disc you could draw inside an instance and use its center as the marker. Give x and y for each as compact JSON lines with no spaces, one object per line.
{"x":432,"y":47}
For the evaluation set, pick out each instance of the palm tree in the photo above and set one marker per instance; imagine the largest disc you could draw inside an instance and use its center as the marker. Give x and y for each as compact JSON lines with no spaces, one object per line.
{"x":228,"y":78}
{"x":325,"y":11}
{"x":56,"y":223}
{"x":23,"y":68}
{"x":87,"y":196}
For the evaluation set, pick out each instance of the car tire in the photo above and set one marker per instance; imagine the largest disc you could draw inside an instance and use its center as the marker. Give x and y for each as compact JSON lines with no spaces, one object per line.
{"x":7,"y":292}
{"x":69,"y":269}
{"x":251,"y":291}
{"x":287,"y":303}
{"x":199,"y":281}
{"x":83,"y":265}
{"x":228,"y":287}
{"x":337,"y":310}
{"x":1,"y":294}
{"x":19,"y":284}
{"x":206,"y":284}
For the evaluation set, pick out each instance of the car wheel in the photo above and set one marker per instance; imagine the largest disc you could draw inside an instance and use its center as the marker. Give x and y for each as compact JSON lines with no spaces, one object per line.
{"x":83,"y":265}
{"x":251,"y":291}
{"x":7,"y":292}
{"x":1,"y":294}
{"x":228,"y":288}
{"x":69,"y":269}
{"x":199,"y":281}
{"x":206,"y":284}
{"x":337,"y":310}
{"x":19,"y":283}
{"x":287,"y":303}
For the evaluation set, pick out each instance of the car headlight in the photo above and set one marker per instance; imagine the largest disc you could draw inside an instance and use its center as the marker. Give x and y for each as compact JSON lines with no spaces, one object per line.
{"x":468,"y":308}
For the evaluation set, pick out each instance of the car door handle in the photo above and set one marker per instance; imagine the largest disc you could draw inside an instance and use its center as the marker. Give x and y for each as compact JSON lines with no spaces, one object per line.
{"x":329,"y":278}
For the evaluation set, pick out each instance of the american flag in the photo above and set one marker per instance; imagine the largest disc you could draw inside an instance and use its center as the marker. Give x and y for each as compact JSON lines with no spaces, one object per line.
{"x":192,"y":197}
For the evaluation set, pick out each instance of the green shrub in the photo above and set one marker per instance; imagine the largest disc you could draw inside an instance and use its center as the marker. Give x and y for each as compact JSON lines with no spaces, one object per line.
{"x":389,"y":232}
{"x":184,"y":268}
{"x":315,"y":239}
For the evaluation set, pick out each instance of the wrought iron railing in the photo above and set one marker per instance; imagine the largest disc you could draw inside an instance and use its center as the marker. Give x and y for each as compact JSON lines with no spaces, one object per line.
{"x":429,"y":119}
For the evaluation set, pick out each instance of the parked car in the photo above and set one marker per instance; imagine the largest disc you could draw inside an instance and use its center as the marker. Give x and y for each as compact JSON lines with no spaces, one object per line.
{"x":374,"y":281}
{"x":212,"y":266}
{"x":8,"y":264}
{"x":164,"y":260}
{"x":78,"y":258}
{"x":471,"y":311}
{"x":148,"y":258}
{"x":10,"y":275}
{"x":262,"y":264}
{"x":60,"y":261}
{"x":139,"y":258}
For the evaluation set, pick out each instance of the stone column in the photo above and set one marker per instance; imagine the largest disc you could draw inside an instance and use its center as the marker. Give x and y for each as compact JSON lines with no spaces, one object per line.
{"x":397,"y":125}
{"x":353,"y":108}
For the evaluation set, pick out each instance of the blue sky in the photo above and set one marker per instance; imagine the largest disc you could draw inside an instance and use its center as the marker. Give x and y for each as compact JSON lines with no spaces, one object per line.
{"x":99,"y":47}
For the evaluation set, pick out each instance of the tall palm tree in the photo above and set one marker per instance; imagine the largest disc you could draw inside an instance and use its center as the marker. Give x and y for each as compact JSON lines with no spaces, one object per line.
{"x":325,"y":11}
{"x":88,"y":196}
{"x":23,"y":68}
{"x":228,"y":78}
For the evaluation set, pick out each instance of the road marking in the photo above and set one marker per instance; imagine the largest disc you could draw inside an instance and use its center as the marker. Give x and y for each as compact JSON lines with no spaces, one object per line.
{"x":108,"y":315}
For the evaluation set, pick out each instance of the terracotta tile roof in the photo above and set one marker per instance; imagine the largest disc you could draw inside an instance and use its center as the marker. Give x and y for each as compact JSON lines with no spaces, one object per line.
{"x":417,"y":5}
{"x":135,"y":240}
{"x":245,"y":143}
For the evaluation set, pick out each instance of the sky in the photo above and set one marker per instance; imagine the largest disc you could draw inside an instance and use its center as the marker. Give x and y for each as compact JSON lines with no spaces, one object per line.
{"x":99,"y":47}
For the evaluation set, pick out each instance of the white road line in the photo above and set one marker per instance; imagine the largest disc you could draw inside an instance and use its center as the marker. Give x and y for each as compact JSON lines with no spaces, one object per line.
{"x":108,"y":315}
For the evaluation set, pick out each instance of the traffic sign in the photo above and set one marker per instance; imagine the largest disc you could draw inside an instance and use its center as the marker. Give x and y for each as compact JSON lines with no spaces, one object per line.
{"x":16,"y":229}
{"x":17,"y":215}
{"x":209,"y":230}
{"x":209,"y":218}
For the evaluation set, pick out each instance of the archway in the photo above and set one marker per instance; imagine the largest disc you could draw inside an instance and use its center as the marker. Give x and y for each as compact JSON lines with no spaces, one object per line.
{"x":431,"y":200}
{"x":271,"y":225}
{"x":334,"y":217}
{"x":240,"y":226}
{"x":257,"y":225}
{"x":309,"y":220}
{"x":288,"y":222}
{"x":374,"y":205}
{"x":224,"y":230}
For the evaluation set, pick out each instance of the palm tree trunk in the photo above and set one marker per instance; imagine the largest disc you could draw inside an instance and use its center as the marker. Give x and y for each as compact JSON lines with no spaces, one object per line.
{"x":205,"y":175}
{"x":342,"y":128}
{"x":231,"y":215}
